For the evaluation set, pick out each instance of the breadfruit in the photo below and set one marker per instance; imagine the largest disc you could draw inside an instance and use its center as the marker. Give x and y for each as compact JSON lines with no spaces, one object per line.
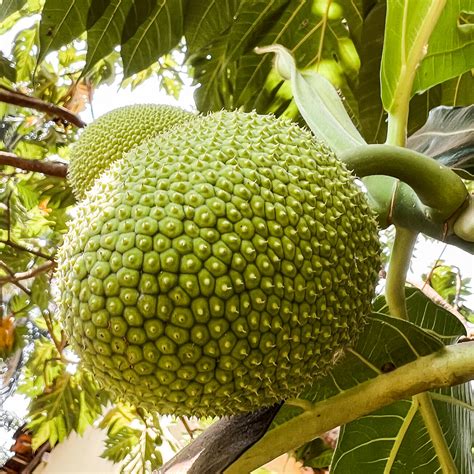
{"x":219,"y":268}
{"x":112,"y":135}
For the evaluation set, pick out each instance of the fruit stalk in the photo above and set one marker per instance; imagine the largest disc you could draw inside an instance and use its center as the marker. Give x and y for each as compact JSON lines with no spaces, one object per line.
{"x":436,"y":185}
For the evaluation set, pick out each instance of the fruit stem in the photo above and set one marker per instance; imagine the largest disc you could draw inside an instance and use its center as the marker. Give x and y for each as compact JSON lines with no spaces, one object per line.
{"x":436,"y":185}
{"x":397,"y":271}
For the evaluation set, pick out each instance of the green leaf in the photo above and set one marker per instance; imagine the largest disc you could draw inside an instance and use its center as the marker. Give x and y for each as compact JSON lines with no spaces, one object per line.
{"x":61,"y":22}
{"x":117,"y":417}
{"x":8,"y":7}
{"x":428,"y":315}
{"x":371,"y":113}
{"x":23,"y":53}
{"x":18,"y":304}
{"x":395,"y":438}
{"x":136,"y":449}
{"x":222,"y":37}
{"x":409,"y":25}
{"x":106,"y":33}
{"x":40,"y":295}
{"x":41,"y":368}
{"x":119,"y":445}
{"x":459,"y":91}
{"x":318,"y":103}
{"x":70,"y":403}
{"x":450,"y":48}
{"x":151,"y":30}
{"x":7,"y":69}
{"x":145,"y":455}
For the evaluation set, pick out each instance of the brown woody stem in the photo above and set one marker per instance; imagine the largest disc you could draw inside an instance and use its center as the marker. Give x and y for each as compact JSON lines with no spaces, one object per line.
{"x":23,"y":100}
{"x":50,"y":168}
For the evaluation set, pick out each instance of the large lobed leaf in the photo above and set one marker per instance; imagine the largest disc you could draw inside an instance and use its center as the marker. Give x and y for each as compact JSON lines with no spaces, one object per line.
{"x":396,"y":438}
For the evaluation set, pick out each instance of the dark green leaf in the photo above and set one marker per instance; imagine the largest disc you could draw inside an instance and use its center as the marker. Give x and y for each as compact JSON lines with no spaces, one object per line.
{"x":447,"y":136}
{"x":428,"y":315}
{"x":315,"y":454}
{"x":371,"y":113}
{"x":151,"y":30}
{"x":8,"y":7}
{"x":395,"y":438}
{"x":106,"y":32}
{"x":61,"y":22}
{"x":459,"y":91}
{"x":96,"y":10}
{"x":231,"y":75}
{"x":7,"y":69}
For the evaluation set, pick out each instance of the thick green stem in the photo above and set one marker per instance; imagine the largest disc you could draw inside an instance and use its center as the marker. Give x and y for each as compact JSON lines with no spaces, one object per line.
{"x":397,"y":126}
{"x":449,"y":366}
{"x":397,"y":271}
{"x":428,"y":413}
{"x":436,"y":185}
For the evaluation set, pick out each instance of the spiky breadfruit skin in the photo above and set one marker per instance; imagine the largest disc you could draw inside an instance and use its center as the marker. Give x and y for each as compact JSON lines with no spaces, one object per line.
{"x":114,"y":134}
{"x":220,"y":268}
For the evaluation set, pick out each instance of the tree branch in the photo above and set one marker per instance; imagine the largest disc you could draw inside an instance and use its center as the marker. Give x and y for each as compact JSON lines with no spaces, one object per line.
{"x":13,"y":279}
{"x":16,"y":277}
{"x":50,"y":168}
{"x":16,"y":246}
{"x":449,"y":366}
{"x":23,"y":100}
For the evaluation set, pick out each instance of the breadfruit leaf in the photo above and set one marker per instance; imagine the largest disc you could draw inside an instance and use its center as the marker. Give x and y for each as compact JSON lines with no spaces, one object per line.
{"x":399,"y":439}
{"x":61,"y":23}
{"x":136,"y":449}
{"x":318,"y":102}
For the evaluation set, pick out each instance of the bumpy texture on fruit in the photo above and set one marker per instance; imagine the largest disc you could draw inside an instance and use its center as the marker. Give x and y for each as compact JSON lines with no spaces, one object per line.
{"x":114,"y":134}
{"x":220,"y":268}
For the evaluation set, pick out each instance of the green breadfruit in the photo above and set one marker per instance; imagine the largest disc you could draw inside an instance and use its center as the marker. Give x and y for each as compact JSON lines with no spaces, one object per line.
{"x":112,"y":135}
{"x":219,"y":268}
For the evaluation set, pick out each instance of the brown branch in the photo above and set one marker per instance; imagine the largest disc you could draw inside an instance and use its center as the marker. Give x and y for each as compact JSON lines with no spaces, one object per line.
{"x":50,"y":168}
{"x":16,"y":246}
{"x":23,"y":100}
{"x":28,"y":274}
{"x":13,"y":279}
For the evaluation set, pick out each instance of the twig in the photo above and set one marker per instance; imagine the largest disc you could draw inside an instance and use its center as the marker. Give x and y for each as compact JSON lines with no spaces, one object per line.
{"x":49,"y":324}
{"x":13,"y":279}
{"x":28,"y":274}
{"x":185,"y":423}
{"x":16,"y":246}
{"x":51,"y":168}
{"x":23,"y":100}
